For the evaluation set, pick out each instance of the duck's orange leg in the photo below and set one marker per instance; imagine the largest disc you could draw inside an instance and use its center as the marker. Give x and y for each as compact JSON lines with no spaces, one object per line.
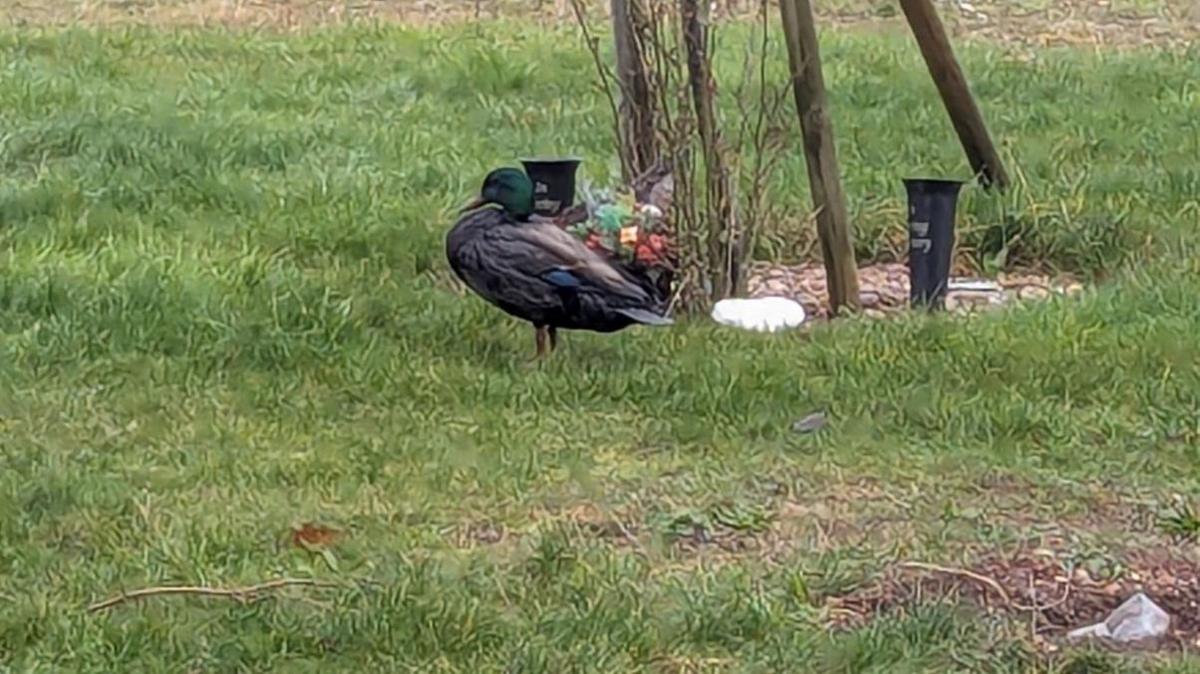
{"x":539,"y":340}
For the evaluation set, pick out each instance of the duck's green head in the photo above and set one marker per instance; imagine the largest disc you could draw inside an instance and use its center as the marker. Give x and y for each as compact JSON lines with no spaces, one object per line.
{"x":508,"y":188}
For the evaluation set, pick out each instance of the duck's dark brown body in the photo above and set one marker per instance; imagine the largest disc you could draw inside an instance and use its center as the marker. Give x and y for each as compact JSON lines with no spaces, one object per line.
{"x":538,"y":273}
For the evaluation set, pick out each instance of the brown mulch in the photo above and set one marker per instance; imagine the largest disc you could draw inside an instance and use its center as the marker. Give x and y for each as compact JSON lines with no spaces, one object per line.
{"x":884,"y":288}
{"x":1039,"y":587}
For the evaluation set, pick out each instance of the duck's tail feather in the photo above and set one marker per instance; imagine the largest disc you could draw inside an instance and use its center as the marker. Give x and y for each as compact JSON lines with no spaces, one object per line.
{"x":646,"y":317}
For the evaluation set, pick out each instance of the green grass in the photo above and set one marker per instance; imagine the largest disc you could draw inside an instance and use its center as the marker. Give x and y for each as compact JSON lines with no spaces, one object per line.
{"x":223,"y":313}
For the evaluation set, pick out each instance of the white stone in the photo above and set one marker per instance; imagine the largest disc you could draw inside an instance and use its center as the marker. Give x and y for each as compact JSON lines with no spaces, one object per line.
{"x":763,"y":314}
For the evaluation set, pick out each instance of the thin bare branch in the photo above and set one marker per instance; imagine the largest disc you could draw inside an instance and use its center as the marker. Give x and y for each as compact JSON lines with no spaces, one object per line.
{"x":593,"y":45}
{"x":992,"y":584}
{"x":241,"y":594}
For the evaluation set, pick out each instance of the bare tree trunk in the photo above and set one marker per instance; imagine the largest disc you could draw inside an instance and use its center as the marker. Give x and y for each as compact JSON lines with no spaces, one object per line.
{"x":724,"y":256}
{"x":833,"y":226}
{"x":639,"y":145}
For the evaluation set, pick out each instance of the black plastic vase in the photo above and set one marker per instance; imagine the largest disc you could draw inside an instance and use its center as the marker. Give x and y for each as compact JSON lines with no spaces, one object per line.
{"x":931,"y":210}
{"x":553,"y":183}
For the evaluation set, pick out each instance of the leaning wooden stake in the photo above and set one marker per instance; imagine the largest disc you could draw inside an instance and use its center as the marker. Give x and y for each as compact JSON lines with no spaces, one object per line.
{"x":808,"y":84}
{"x":964,"y":114}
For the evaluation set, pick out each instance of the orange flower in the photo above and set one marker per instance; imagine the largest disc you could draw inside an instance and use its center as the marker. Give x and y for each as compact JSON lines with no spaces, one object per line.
{"x":629,"y":235}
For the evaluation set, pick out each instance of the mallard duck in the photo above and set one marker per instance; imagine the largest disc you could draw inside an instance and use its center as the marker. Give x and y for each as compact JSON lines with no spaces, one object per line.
{"x":539,"y":273}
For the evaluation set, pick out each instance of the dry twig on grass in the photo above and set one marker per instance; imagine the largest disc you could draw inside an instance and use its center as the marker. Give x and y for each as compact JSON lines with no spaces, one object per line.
{"x":240,"y":594}
{"x":992,"y":584}
{"x":962,"y":573}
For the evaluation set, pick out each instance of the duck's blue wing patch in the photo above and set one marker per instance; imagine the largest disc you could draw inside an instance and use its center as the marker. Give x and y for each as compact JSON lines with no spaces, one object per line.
{"x":561,"y":278}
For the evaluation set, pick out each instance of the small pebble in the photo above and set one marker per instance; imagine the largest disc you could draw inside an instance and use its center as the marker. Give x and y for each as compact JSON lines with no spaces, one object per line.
{"x":810,"y":424}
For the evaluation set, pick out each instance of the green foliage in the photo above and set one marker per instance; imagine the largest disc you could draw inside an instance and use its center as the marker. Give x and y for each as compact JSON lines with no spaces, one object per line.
{"x":223,"y":311}
{"x":1180,"y":521}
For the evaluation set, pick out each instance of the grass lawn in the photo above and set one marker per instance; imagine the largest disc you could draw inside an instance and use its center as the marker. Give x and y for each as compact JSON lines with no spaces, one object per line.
{"x":224,"y":313}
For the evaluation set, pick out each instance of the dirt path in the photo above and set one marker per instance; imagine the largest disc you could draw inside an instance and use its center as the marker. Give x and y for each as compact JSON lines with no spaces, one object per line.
{"x":1020,"y":23}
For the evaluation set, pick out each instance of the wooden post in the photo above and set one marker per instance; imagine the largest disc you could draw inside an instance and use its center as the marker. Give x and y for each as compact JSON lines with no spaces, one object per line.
{"x":808,"y":85}
{"x":964,"y":114}
{"x":636,"y":108}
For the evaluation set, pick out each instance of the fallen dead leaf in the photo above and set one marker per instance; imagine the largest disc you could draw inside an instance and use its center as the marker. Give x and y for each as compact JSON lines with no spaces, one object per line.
{"x":310,"y":535}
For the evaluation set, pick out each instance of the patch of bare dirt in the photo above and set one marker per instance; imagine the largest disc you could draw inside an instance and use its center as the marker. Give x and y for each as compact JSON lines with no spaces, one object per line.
{"x":1026,"y":25}
{"x":1041,"y":587}
{"x":720,"y":538}
{"x":480,"y":533}
{"x":1101,"y":24}
{"x":283,"y":15}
